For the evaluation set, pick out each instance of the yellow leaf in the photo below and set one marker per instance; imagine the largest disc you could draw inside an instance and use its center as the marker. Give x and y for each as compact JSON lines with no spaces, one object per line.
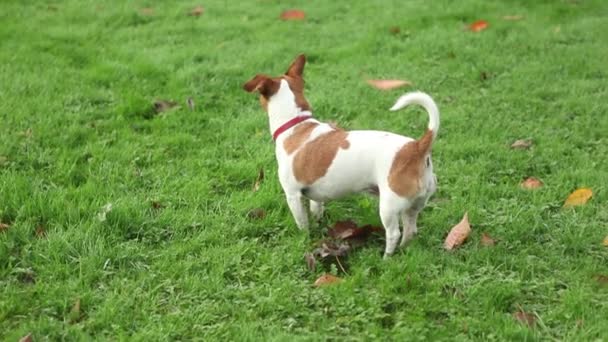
{"x":458,"y":234}
{"x":578,"y":197}
{"x":327,"y":279}
{"x":605,"y":242}
{"x":388,"y":84}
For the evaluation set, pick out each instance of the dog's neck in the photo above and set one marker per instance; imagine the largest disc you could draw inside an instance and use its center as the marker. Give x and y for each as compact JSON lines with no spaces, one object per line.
{"x":282,"y":107}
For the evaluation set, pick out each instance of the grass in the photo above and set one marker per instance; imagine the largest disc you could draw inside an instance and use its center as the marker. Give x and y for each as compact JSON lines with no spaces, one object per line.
{"x":78,"y":79}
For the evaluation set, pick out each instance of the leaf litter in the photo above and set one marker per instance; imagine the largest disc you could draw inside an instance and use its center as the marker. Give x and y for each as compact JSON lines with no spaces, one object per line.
{"x":531,"y":183}
{"x":293,"y":14}
{"x":578,"y":197}
{"x":344,"y":237}
{"x":388,"y":84}
{"x":458,"y":234}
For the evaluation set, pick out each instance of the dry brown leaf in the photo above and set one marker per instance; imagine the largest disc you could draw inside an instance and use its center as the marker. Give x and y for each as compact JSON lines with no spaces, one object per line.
{"x":487,"y":240}
{"x":458,"y":234}
{"x":256,"y":213}
{"x":190,"y":103}
{"x":4,"y":227}
{"x":531,"y":183}
{"x":525,"y":318}
{"x":329,"y":248}
{"x":513,"y":17}
{"x":522,"y":144}
{"x":259,"y":180}
{"x":478,"y":25}
{"x":578,"y":197}
{"x":293,"y":14}
{"x":605,"y":242}
{"x":197,"y":11}
{"x":147,"y":11}
{"x":26,"y":338}
{"x":163,"y":105}
{"x":157,"y":205}
{"x":75,"y":313}
{"x":602,"y":279}
{"x":311,"y":262}
{"x":395,"y":30}
{"x":40,"y":231}
{"x":388,"y":84}
{"x":327,"y":279}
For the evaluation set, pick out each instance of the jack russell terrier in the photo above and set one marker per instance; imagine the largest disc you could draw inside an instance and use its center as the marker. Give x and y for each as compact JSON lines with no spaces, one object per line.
{"x":321,"y":162}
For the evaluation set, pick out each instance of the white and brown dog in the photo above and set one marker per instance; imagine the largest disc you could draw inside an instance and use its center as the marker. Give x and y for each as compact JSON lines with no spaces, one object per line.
{"x":321,"y":162}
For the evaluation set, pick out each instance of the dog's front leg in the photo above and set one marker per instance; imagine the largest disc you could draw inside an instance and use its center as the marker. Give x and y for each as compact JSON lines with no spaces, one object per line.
{"x":297,"y":210}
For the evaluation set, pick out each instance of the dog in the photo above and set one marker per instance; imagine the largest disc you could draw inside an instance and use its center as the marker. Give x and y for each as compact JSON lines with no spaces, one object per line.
{"x":321,"y":162}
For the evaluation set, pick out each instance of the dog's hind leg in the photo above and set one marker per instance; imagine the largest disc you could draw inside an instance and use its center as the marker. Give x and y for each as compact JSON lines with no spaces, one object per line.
{"x":408,"y":218}
{"x":316,"y":209}
{"x":390,"y":207}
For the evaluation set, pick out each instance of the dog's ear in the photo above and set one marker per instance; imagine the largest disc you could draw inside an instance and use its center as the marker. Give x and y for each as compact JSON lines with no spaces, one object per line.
{"x":262,"y":83}
{"x":296,"y":69}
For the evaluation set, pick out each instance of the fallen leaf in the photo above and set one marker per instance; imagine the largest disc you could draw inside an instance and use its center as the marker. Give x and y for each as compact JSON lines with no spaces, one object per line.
{"x":525,"y":318}
{"x":388,"y":84}
{"x":75,"y":314}
{"x":27,"y":338}
{"x":40,"y":231}
{"x":458,"y":234}
{"x":293,"y":14}
{"x":163,"y":106}
{"x":395,"y":30}
{"x":486,"y":240}
{"x":327,"y":279}
{"x":602,"y":279}
{"x":329,"y":248}
{"x":531,"y":183}
{"x":101,"y":215}
{"x":522,"y":144}
{"x":197,"y":11}
{"x":190,"y":103}
{"x":256,"y":213}
{"x":605,"y":242}
{"x":259,"y":180}
{"x":311,"y":262}
{"x":578,"y":197}
{"x":3,"y":227}
{"x":342,"y":229}
{"x":156,"y":205}
{"x":478,"y":25}
{"x":147,"y":11}
{"x":483,"y":76}
{"x":513,"y":17}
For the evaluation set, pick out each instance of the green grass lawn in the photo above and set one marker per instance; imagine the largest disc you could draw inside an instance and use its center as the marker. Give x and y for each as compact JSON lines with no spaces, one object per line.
{"x":177,"y":257}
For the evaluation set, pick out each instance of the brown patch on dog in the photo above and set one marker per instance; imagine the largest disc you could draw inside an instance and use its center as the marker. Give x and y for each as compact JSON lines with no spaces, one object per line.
{"x":299,"y":135}
{"x":293,"y":76}
{"x":267,"y":86}
{"x":296,"y":84}
{"x":313,"y":159}
{"x":408,"y":166}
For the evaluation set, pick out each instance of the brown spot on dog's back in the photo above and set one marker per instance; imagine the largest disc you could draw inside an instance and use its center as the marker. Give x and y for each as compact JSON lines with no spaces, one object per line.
{"x":314,"y":158}
{"x":299,"y":135}
{"x":408,"y":166}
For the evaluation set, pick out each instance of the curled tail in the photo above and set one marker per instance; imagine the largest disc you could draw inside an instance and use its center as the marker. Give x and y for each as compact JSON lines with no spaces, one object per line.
{"x":427,"y":103}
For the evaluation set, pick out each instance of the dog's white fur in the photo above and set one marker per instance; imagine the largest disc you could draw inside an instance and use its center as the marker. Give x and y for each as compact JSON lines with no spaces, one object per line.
{"x":365,"y":163}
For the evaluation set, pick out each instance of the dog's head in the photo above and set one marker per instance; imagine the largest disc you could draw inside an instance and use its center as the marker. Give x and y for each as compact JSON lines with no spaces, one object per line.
{"x":283,"y":91}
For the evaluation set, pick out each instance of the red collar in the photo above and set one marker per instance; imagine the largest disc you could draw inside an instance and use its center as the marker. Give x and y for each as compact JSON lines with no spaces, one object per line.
{"x":290,"y":124}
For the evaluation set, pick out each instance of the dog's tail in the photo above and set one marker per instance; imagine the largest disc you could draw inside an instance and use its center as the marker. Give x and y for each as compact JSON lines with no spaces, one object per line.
{"x":428,"y":104}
